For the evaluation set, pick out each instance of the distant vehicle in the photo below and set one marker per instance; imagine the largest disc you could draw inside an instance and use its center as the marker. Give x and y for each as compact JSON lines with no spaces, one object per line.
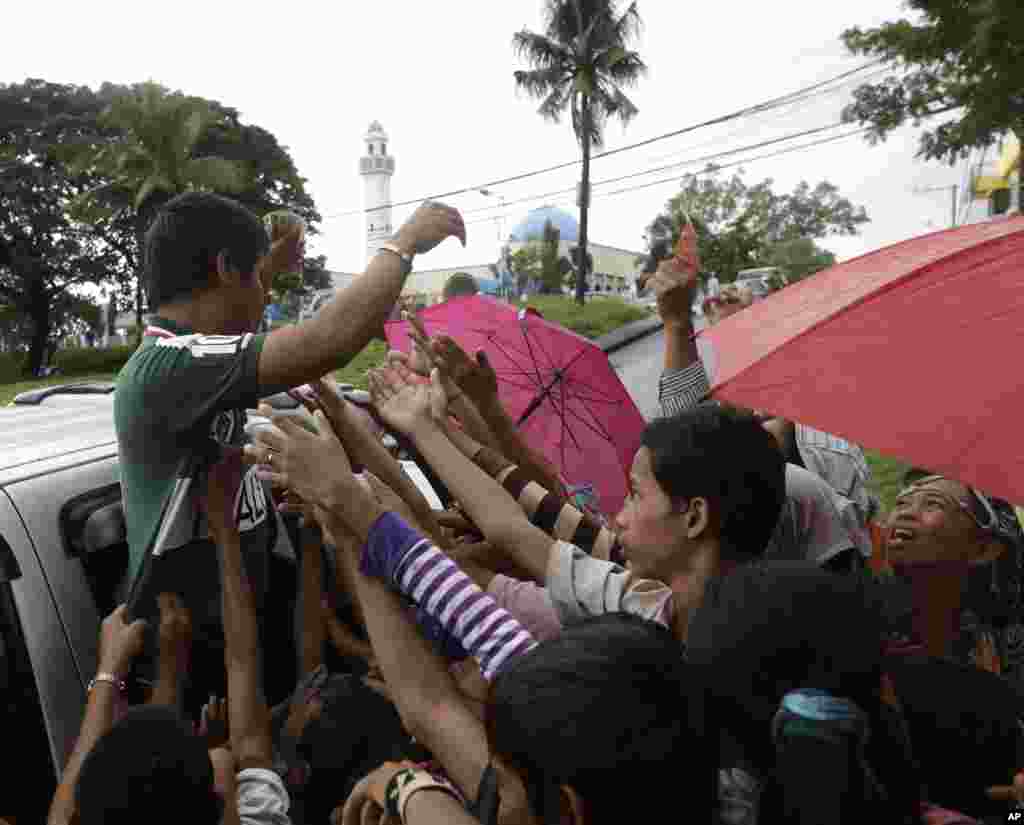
{"x":759,"y":281}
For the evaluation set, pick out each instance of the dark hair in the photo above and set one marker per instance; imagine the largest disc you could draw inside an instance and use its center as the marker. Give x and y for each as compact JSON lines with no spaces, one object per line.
{"x":964,"y":724}
{"x":725,"y":456}
{"x":770,"y":628}
{"x":609,"y":705}
{"x":185,"y":238}
{"x":150,"y":767}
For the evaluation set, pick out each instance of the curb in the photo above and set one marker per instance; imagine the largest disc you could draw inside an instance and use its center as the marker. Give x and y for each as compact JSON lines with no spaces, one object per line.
{"x":628,"y":334}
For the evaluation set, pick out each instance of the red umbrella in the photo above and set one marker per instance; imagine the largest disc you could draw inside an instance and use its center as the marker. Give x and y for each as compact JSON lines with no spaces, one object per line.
{"x":559,"y":387}
{"x":911,"y":350}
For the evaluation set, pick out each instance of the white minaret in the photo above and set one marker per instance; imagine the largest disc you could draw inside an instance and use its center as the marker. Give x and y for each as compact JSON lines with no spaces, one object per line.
{"x":377,"y":167}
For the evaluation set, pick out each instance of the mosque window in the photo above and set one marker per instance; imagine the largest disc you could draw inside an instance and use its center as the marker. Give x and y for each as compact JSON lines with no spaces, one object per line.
{"x":383,"y":148}
{"x":371,"y":148}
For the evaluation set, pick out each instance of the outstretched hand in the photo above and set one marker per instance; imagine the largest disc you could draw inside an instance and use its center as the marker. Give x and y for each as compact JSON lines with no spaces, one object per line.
{"x":309,"y":465}
{"x":175,"y":632}
{"x":674,"y":286}
{"x":428,"y":226}
{"x":120,"y":642}
{"x":286,"y":255}
{"x":409,"y":408}
{"x":475,"y":377}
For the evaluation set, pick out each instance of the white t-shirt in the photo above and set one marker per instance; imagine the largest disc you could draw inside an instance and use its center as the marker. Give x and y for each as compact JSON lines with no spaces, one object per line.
{"x":262,"y":798}
{"x":811,"y":526}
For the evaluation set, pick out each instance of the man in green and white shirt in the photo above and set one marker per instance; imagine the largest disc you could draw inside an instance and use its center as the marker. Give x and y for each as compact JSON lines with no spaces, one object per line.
{"x":208,"y":268}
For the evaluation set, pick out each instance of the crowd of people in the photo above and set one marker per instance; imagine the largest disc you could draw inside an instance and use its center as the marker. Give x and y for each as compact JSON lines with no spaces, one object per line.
{"x":725,"y":649}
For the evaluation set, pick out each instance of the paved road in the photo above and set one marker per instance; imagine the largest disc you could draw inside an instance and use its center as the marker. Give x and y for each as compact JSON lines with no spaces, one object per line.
{"x":639,"y":366}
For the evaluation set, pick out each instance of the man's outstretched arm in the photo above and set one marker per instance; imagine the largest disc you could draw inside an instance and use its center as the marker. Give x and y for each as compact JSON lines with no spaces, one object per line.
{"x":305,"y":352}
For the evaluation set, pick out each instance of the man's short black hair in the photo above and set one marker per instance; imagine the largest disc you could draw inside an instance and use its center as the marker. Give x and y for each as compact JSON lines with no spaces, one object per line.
{"x":150,"y":767}
{"x":183,"y":242}
{"x":728,"y":458}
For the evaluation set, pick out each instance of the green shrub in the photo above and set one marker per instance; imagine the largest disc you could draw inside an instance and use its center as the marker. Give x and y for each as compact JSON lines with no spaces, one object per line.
{"x":11,"y":365}
{"x":80,"y":360}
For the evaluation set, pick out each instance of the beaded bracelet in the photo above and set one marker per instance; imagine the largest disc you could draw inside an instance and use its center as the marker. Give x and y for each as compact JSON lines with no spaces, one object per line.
{"x":409,"y":781}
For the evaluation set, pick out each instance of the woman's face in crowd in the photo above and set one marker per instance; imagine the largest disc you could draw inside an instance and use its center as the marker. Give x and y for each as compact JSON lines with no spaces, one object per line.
{"x":929,"y":523}
{"x":648,"y":524}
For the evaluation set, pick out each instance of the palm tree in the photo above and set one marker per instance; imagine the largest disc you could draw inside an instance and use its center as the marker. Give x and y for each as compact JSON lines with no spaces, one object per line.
{"x":581,"y":63}
{"x":149,"y":158}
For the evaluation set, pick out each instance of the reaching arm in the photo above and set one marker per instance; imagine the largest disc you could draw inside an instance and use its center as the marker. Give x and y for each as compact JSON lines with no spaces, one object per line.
{"x":684,"y":383}
{"x":545,"y":509}
{"x":472,"y":421}
{"x":427,"y":697}
{"x":512,"y":444}
{"x":346,"y":642}
{"x":434,"y":808}
{"x":248,"y":716}
{"x":486,"y":502}
{"x":371,"y":454}
{"x":309,"y":613}
{"x":100,"y":709}
{"x":174,"y":648}
{"x":301,"y":354}
{"x":478,"y":381}
{"x":119,"y":644}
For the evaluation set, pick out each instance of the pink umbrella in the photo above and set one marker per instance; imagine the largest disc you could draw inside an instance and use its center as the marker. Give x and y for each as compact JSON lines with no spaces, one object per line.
{"x":559,"y":387}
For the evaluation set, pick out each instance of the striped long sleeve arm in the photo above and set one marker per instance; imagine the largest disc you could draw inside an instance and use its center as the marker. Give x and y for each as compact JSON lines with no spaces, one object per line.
{"x":683,"y":389}
{"x":546,"y":510}
{"x":419,"y":570}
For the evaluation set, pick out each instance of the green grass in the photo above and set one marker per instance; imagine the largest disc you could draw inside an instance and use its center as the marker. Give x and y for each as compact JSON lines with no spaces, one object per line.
{"x":355,"y":372}
{"x":888,"y":477}
{"x":597,"y":317}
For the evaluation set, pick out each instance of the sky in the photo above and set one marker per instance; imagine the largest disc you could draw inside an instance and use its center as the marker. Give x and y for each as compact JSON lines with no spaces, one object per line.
{"x":438,"y":76}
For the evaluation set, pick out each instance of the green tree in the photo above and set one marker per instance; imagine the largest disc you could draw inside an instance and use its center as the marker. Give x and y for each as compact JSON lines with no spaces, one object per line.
{"x":45,"y":256}
{"x":460,"y":284}
{"x":798,"y":259}
{"x":148,"y":156}
{"x":552,"y":275}
{"x":526,"y":265}
{"x":737,"y":223}
{"x":581,"y":62}
{"x":958,"y":58}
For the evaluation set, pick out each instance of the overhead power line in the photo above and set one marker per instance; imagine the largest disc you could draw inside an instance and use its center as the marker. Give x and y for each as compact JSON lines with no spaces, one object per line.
{"x":675,"y":178}
{"x":745,"y":112}
{"x":688,"y":162}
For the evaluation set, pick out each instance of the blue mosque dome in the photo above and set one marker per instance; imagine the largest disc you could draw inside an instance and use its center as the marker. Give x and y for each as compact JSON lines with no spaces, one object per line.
{"x":531,"y":228}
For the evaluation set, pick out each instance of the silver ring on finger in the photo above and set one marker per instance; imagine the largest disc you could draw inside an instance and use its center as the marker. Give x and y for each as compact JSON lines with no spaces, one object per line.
{"x":270,"y":458}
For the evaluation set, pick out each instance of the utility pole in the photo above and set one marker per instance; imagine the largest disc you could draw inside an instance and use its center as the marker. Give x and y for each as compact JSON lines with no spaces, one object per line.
{"x":955,"y":189}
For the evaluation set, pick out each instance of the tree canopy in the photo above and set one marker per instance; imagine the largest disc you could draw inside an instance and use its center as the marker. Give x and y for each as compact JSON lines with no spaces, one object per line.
{"x":122,"y":150}
{"x":740,"y":226}
{"x":953,"y":57}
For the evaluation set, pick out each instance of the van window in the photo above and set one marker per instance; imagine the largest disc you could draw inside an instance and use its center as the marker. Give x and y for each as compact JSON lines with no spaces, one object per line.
{"x":94,"y":533}
{"x":21,"y":720}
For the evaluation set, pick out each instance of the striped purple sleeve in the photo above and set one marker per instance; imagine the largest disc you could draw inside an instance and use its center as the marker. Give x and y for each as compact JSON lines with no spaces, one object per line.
{"x":436,"y":584}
